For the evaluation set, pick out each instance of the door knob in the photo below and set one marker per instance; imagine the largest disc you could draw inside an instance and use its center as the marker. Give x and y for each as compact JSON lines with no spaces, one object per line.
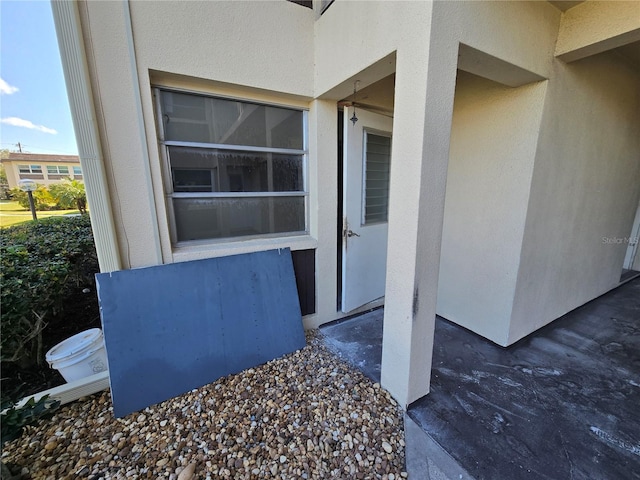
{"x":352,"y":234}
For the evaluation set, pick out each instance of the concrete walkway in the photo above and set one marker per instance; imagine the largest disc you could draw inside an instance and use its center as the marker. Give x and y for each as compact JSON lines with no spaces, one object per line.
{"x":562,"y":403}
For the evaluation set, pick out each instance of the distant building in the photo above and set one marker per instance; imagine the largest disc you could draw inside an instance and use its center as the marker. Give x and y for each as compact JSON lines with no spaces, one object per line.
{"x":43,"y":169}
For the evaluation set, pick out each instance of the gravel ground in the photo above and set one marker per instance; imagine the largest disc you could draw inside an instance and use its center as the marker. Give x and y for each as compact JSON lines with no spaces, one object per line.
{"x":306,"y":415}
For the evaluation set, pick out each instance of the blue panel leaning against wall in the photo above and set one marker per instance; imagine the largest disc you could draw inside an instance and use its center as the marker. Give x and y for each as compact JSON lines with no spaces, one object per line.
{"x":171,"y":328}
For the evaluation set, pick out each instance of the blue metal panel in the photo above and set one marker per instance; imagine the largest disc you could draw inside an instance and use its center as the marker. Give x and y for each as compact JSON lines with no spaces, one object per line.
{"x":171,"y":328}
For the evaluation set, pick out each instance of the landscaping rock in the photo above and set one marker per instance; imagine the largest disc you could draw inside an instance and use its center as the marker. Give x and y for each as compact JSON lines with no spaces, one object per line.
{"x":305,"y":415}
{"x":188,"y":472}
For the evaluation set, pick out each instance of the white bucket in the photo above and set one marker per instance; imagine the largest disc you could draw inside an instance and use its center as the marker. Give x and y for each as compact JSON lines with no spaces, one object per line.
{"x":79,"y":356}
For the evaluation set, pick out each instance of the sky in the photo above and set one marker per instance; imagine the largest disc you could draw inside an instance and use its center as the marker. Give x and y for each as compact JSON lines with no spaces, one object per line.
{"x":34,"y":109}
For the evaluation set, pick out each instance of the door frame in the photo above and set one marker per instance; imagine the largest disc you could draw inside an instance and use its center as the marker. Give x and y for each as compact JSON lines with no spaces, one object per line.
{"x":340,"y":207}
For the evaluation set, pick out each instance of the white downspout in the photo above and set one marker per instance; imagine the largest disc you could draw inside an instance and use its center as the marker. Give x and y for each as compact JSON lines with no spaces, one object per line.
{"x":70,"y":43}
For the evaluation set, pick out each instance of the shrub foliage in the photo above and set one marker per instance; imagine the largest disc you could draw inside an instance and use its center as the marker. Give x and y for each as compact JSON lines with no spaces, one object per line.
{"x":42,"y":198}
{"x":15,"y":418}
{"x":41,"y":263}
{"x":67,"y":195}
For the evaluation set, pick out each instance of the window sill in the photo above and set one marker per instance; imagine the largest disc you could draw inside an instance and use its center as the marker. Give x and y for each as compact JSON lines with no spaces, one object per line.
{"x":186,"y":253}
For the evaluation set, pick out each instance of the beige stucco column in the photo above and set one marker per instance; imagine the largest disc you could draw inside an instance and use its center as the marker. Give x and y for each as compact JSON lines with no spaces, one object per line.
{"x":323,"y":203}
{"x":425,"y":84}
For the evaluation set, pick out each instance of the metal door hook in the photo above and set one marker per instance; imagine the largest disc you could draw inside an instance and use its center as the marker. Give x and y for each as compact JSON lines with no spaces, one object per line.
{"x":352,"y":234}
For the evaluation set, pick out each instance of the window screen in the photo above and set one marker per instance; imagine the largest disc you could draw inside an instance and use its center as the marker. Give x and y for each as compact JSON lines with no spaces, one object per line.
{"x":237,"y":168}
{"x":195,"y":118}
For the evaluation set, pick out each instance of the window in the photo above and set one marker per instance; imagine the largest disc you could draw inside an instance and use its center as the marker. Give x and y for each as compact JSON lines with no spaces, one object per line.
{"x":57,"y":170}
{"x":234,"y":168}
{"x":30,"y":169}
{"x":77,"y":171}
{"x":376,"y":181}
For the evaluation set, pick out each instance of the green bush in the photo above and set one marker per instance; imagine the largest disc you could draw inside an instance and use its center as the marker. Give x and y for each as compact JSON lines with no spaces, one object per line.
{"x":59,"y":196}
{"x":41,"y":198}
{"x":15,"y":418}
{"x":41,"y":263}
{"x":4,"y":183}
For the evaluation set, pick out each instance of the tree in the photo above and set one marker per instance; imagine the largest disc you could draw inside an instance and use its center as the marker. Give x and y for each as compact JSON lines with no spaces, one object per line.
{"x":69,"y":194}
{"x":4,"y":183}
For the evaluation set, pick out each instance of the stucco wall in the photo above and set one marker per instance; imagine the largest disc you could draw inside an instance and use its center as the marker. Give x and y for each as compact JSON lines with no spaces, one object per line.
{"x":216,"y":42}
{"x":114,"y":83}
{"x":522,"y":33}
{"x":236,"y":48}
{"x":351,"y":36}
{"x":278,"y":52}
{"x":585,"y":188}
{"x":596,"y":26}
{"x":493,"y":144}
{"x":230,"y":48}
{"x":255,"y":43}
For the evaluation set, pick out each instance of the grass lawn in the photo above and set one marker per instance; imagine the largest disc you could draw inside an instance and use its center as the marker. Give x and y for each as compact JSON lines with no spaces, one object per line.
{"x":11,"y":213}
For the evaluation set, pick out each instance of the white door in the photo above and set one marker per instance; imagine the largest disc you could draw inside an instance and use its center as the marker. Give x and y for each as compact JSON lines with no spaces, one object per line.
{"x":367,"y":154}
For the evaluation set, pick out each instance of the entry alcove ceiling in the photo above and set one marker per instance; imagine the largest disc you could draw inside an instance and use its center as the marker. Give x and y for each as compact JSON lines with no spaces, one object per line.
{"x":565,"y":5}
{"x":630,"y":53}
{"x":377,"y":97}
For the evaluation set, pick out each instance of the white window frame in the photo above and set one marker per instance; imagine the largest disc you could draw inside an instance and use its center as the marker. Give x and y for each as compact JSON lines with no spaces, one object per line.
{"x":55,"y":170}
{"x":168,"y":180}
{"x":33,"y":169}
{"x":77,"y":171}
